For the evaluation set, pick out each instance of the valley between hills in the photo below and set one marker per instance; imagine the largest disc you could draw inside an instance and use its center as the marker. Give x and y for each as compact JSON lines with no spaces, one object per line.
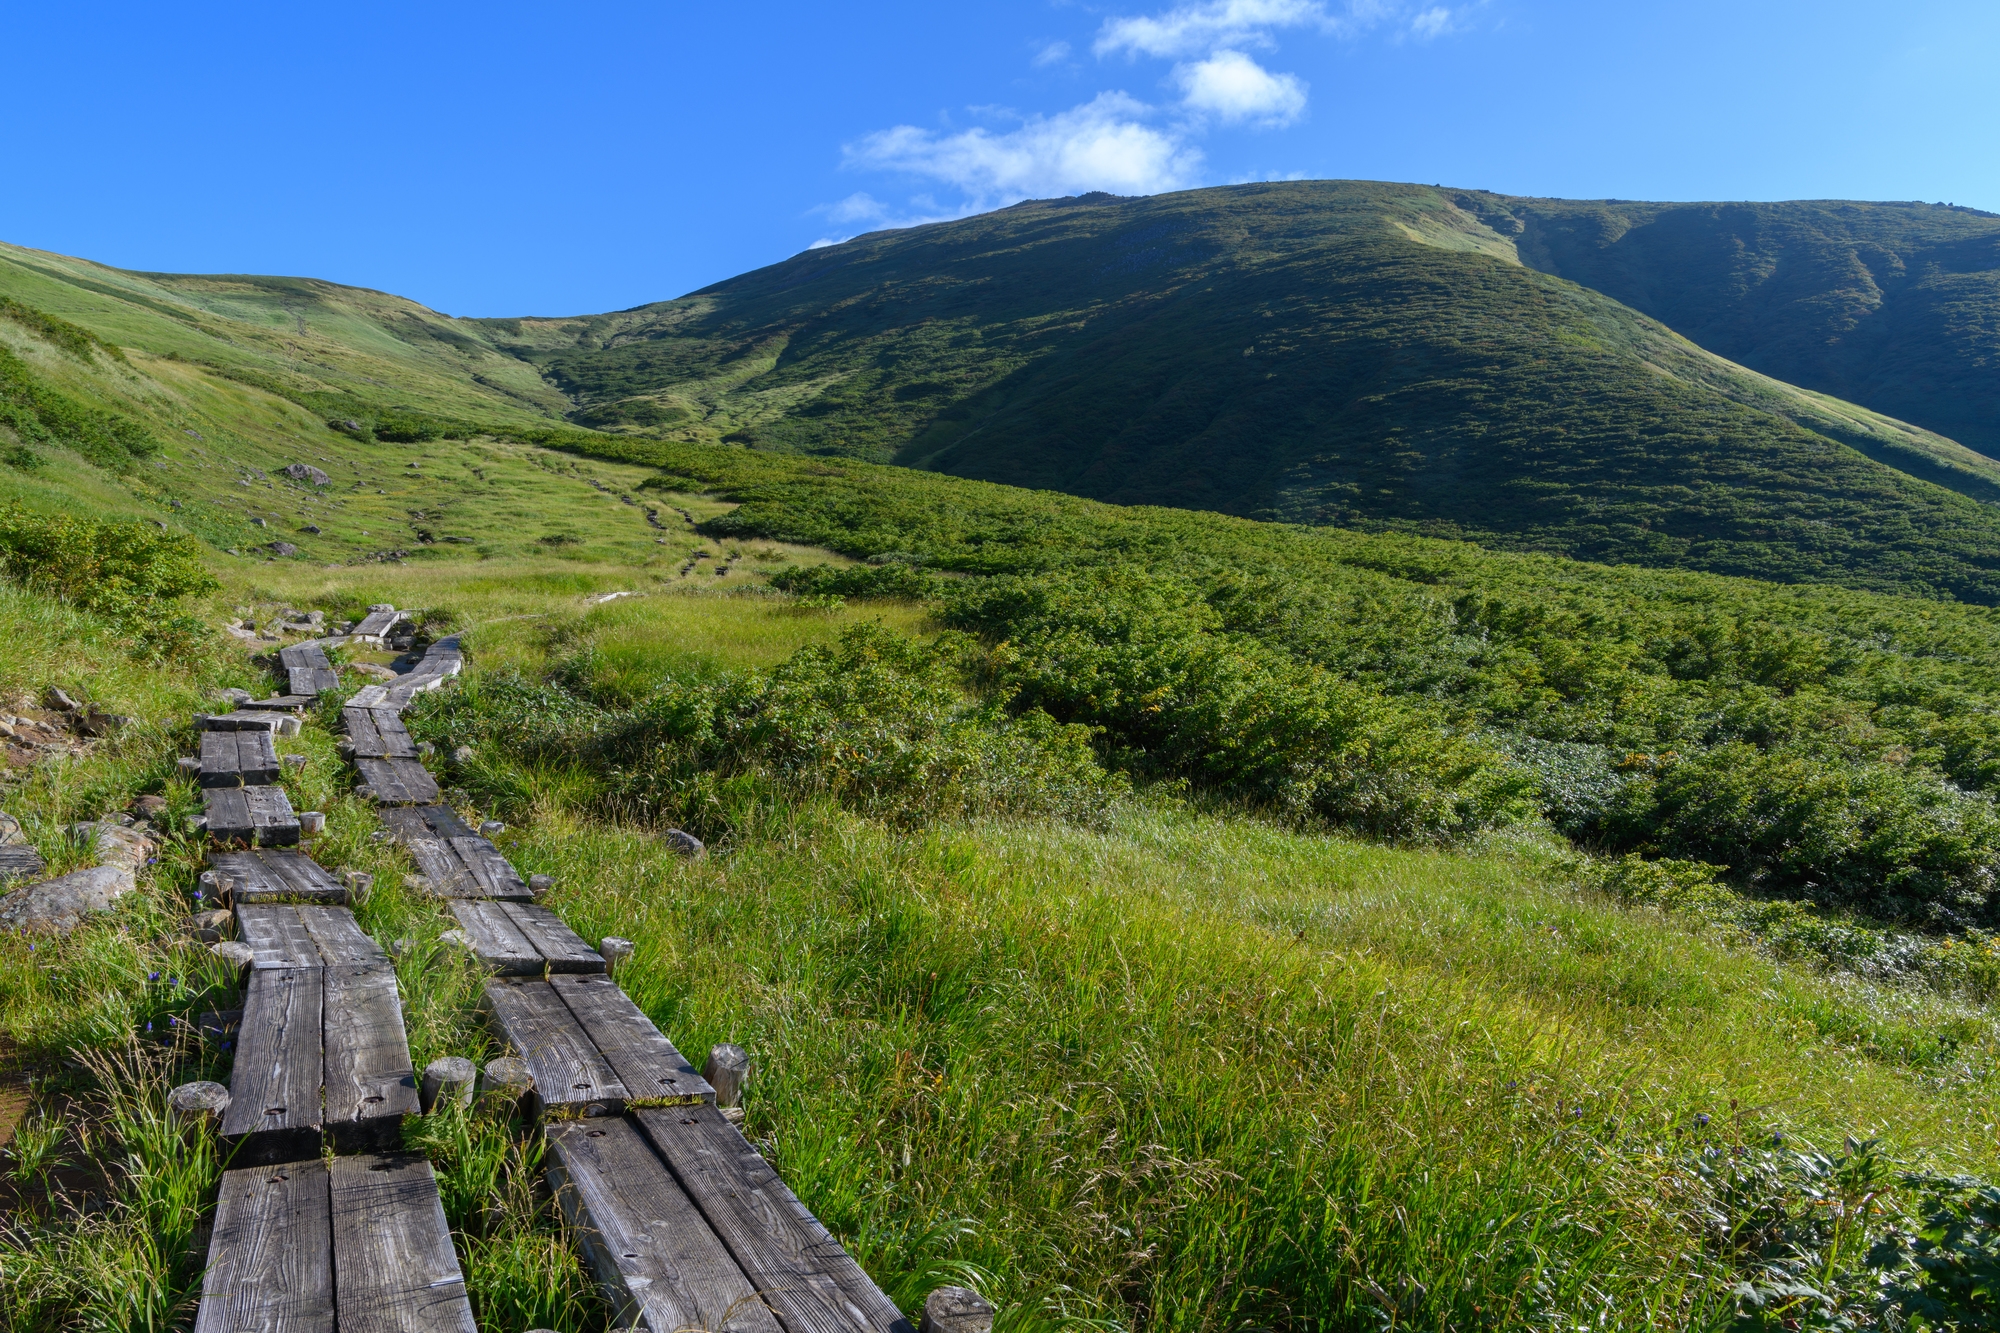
{"x":1296,"y":756}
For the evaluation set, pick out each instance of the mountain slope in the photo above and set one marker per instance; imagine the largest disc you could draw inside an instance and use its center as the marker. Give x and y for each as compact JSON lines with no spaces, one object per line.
{"x":1326,"y":352}
{"x":1894,"y":305}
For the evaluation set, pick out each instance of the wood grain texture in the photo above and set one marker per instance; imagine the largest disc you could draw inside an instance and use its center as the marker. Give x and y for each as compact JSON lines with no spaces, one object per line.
{"x":375,"y":624}
{"x":653,"y":1254}
{"x":394,"y":1269}
{"x":653,"y":1071}
{"x":377,"y":733}
{"x":276,"y":934}
{"x":308,"y":655}
{"x":270,"y":1256}
{"x":440,"y":865}
{"x":238,"y":759}
{"x":491,"y":873}
{"x":311,"y":680}
{"x":561,"y":948}
{"x":572,"y":1079}
{"x":495,"y":940}
{"x":439,"y":821}
{"x":241,"y":720}
{"x":339,"y":937}
{"x":370,"y":1082}
{"x":271,"y":817}
{"x":276,"y":875}
{"x":397,"y":781}
{"x":274,"y":1089}
{"x":791,"y":1260}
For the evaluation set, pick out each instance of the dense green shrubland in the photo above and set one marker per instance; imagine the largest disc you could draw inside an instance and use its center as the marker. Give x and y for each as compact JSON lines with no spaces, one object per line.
{"x":132,"y":574}
{"x":38,"y":413}
{"x":879,"y":722}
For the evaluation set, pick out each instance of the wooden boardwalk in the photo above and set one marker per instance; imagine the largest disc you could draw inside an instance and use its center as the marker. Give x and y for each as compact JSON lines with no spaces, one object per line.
{"x":683,"y":1223}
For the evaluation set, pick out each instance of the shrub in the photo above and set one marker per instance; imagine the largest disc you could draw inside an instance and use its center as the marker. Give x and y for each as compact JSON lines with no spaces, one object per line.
{"x":860,"y":582}
{"x":127,"y":571}
{"x":408,"y":428}
{"x":38,"y":413}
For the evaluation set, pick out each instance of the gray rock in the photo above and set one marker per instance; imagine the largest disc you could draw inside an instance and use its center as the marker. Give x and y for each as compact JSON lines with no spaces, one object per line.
{"x":306,"y":472}
{"x":462,"y":756}
{"x":114,"y":844}
{"x":313,"y":528}
{"x":258,"y":522}
{"x":956,"y":1310}
{"x":149,"y":806}
{"x":236,"y":696}
{"x":10,"y":831}
{"x":282,"y":548}
{"x":95,"y":723}
{"x":685,"y":843}
{"x":59,"y":700}
{"x":58,"y":906}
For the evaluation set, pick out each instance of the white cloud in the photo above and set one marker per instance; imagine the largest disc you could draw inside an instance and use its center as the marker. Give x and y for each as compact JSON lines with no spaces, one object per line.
{"x":1105,"y":144}
{"x":1053,"y":53}
{"x":1434,"y":22}
{"x":1201,"y":28}
{"x":1234,"y":88}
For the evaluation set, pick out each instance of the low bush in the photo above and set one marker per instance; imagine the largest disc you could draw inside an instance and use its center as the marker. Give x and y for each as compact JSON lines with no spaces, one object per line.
{"x":41,"y":414}
{"x":858,"y":582}
{"x":131,"y":573}
{"x":879,"y":722}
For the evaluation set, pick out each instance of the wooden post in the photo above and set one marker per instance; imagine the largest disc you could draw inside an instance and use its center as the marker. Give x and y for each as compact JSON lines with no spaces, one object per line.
{"x":956,"y":1310}
{"x":359,"y":884}
{"x":491,"y":828}
{"x":448,"y":1078}
{"x":199,"y":1104}
{"x":296,"y":762}
{"x":189,"y":765}
{"x":507,"y":1082}
{"x":312,"y":823}
{"x":237,"y":953}
{"x":540,"y":884}
{"x":615,"y":951}
{"x":727,"y":1070}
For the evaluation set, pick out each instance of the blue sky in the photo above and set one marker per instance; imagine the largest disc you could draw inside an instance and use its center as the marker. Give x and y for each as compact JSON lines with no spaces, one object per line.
{"x":511,"y":159}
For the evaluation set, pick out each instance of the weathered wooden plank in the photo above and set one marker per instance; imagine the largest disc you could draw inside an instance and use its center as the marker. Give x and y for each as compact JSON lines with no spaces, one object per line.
{"x":370,"y":1082}
{"x":492,"y":874}
{"x":244,"y":720}
{"x":253,"y":816}
{"x":274,"y":931}
{"x":376,"y":623}
{"x":378,"y":733}
{"x":270,"y":1256}
{"x":788,"y":1256}
{"x":287,"y":702}
{"x":238,"y":758}
{"x":311,"y":680}
{"x":274,"y":1089}
{"x":441,"y":866}
{"x":439,"y":820}
{"x":654,"y":1256}
{"x":572,"y":1080}
{"x":275,"y":875}
{"x":369,"y":696}
{"x":653,"y":1071}
{"x":562,"y":948}
{"x":397,"y":781}
{"x":309,"y":655}
{"x":394,"y":1268}
{"x":497,"y":942}
{"x":339,"y":937}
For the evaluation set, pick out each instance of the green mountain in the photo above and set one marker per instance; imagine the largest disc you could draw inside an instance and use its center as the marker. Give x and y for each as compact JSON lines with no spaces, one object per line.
{"x":1326,"y":352}
{"x":1893,"y":305}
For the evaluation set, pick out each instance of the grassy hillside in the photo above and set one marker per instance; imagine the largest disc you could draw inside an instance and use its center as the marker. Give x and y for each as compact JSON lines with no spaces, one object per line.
{"x":1892,"y":305}
{"x":1158,"y":920}
{"x":1327,"y":352}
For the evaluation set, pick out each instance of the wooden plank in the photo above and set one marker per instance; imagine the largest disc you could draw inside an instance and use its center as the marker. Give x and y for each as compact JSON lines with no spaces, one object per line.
{"x":397,"y":781}
{"x":252,"y":816}
{"x":378,"y":733}
{"x":562,"y":948}
{"x":274,"y":1089}
{"x":369,"y":696}
{"x":309,"y":655}
{"x":653,"y":1071}
{"x":275,"y":876}
{"x":270,"y":1256}
{"x":238,"y":758}
{"x":375,"y":624}
{"x":339,"y":937}
{"x":302,"y":879}
{"x":788,"y":1256}
{"x":572,"y":1080}
{"x":288,"y":702}
{"x":496,"y":941}
{"x":311,"y":680}
{"x":446,"y":873}
{"x":654,"y":1256}
{"x":271,"y":816}
{"x":424,"y":820}
{"x":370,"y":1083}
{"x":242,"y":720}
{"x":277,"y":935}
{"x":394,"y":1269}
{"x":20,"y":863}
{"x":491,"y":873}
